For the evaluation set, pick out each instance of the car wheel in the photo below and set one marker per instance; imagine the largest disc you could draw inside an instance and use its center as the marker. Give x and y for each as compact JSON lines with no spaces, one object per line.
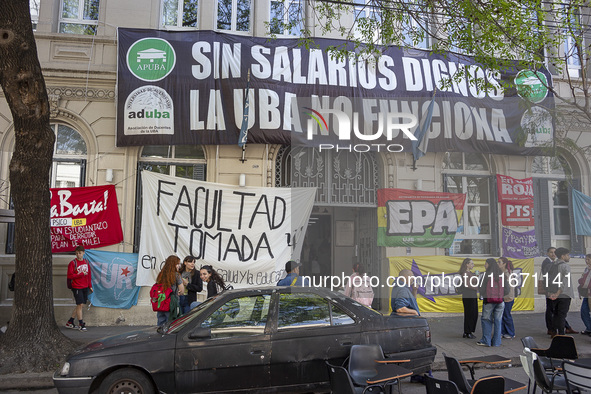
{"x":127,"y":381}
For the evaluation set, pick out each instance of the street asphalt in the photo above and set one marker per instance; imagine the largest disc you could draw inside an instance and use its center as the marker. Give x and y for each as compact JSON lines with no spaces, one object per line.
{"x":446,"y":331}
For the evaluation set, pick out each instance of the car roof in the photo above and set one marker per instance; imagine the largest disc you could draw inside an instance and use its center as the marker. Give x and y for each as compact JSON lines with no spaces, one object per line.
{"x":287,"y":289}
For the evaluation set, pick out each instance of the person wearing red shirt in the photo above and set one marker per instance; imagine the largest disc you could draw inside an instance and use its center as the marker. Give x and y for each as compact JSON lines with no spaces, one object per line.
{"x":80,"y":275}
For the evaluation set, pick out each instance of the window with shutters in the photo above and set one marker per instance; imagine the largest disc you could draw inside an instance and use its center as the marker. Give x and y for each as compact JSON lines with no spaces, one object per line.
{"x":182,"y":161}
{"x":553,"y":184}
{"x":469,"y":173}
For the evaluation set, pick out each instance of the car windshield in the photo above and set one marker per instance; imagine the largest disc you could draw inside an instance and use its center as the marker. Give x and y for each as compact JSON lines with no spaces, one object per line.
{"x":182,"y":321}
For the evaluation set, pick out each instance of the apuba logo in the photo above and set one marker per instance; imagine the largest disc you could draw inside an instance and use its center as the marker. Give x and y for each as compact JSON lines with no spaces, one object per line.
{"x":151,"y":59}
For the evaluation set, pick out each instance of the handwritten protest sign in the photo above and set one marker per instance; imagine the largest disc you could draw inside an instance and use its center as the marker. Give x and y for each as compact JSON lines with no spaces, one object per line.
{"x":247,"y":234}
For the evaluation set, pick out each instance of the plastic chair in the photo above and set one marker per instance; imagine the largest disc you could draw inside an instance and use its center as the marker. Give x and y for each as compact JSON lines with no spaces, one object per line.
{"x":562,"y":347}
{"x":544,"y":357}
{"x":456,"y":375}
{"x":341,"y":383}
{"x":577,"y":376}
{"x":527,"y":367}
{"x":362,"y":361}
{"x":489,"y":385}
{"x":440,"y":386}
{"x":529,"y":342}
{"x":548,"y":385}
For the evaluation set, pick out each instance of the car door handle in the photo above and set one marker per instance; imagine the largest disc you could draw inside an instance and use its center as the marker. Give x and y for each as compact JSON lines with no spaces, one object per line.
{"x":346,"y":343}
{"x":256,"y":352}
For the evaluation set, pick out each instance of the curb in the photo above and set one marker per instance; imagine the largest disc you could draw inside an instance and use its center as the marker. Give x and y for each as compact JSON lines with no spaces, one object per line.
{"x":29,"y":380}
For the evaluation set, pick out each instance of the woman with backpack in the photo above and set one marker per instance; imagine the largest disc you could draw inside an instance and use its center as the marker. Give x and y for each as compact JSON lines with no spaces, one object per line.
{"x":358,"y":287}
{"x":492,"y":291}
{"x":170,"y":278}
{"x":192,"y":283}
{"x":507,"y":327}
{"x":215,"y":283}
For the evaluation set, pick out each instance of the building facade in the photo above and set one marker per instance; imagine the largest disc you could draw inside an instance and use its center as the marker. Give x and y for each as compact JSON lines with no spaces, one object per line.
{"x":77,"y":46}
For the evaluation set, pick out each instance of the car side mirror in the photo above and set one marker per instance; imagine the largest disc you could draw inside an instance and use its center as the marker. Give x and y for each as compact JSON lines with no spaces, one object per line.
{"x":200,"y":333}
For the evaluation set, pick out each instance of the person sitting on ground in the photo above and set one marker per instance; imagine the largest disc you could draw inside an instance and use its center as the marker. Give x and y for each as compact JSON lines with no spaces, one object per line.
{"x":404,"y":291}
{"x":293,"y":277}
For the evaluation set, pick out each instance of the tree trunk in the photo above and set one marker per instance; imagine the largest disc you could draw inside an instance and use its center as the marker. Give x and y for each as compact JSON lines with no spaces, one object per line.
{"x":33,"y":342}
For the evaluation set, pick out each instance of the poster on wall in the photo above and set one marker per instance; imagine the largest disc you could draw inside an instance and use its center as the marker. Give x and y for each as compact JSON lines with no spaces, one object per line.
{"x":519,"y":245}
{"x":510,"y":189}
{"x":188,"y":87}
{"x":517,"y":200}
{"x":246,"y":233}
{"x":87,"y":216}
{"x":418,"y":218}
{"x":437,"y":274}
{"x":517,"y":214}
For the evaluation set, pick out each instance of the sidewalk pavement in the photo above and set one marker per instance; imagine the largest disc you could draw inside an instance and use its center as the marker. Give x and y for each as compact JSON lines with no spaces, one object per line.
{"x":446,"y":335}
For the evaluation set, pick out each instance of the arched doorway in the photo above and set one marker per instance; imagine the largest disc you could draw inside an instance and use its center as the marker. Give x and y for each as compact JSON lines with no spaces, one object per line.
{"x":342,"y":227}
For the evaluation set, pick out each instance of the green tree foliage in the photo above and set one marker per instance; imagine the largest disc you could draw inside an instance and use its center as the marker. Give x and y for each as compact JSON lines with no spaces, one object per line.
{"x":498,"y":34}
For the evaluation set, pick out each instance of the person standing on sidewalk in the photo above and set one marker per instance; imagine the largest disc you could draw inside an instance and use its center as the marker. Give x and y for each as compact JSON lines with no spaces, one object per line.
{"x":79,"y":274}
{"x":469,"y":290}
{"x":546,"y":264}
{"x":584,"y":285}
{"x":560,"y":290}
{"x":507,"y":326}
{"x":493,"y":291}
{"x":542,"y":283}
{"x":359,"y":287}
{"x":170,"y":278}
{"x":192,"y":283}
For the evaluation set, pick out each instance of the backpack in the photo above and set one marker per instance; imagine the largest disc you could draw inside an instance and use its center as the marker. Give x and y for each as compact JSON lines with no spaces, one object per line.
{"x":494,"y":291}
{"x":160,"y":298}
{"x":554,"y":279}
{"x":363,"y":293}
{"x":68,"y":280}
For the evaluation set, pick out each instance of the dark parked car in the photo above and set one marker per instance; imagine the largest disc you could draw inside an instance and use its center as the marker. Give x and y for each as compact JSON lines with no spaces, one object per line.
{"x":272,"y":339}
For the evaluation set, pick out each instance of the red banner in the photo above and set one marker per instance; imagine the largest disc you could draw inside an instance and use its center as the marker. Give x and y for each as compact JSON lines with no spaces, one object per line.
{"x":513,"y":190}
{"x":517,"y":214}
{"x":87,"y":216}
